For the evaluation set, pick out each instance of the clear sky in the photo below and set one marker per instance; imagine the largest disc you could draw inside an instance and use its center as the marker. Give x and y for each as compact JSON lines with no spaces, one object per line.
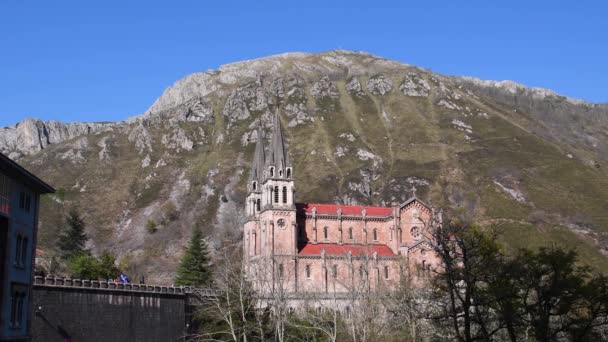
{"x":108,"y":60}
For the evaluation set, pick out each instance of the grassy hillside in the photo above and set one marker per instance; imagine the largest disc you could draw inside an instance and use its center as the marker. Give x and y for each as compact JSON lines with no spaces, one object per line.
{"x":457,"y":144}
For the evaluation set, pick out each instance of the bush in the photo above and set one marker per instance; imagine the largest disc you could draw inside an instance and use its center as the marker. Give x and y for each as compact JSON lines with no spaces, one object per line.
{"x":151,"y":226}
{"x":86,"y":266}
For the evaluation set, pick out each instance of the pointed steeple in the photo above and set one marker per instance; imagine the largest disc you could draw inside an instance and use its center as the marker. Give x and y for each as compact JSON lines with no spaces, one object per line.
{"x":259,"y":159}
{"x":278,"y":154}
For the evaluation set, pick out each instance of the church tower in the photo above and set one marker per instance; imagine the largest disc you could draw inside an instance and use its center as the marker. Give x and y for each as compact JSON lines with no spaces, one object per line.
{"x":254,"y":187}
{"x":278,"y":174}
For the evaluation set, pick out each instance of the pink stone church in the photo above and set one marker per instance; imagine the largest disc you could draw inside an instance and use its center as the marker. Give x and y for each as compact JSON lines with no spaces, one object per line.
{"x":327,"y":248}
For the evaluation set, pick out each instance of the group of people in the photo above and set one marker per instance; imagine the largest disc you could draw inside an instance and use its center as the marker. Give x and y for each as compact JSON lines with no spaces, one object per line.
{"x":120,"y":279}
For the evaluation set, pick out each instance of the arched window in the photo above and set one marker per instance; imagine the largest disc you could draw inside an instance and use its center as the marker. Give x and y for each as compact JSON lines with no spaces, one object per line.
{"x":361,"y":271}
{"x":276,"y":194}
{"x":280,"y":270}
{"x":325,"y":232}
{"x":272,"y":172}
{"x":280,"y":173}
{"x":284,"y":194}
{"x":385,"y":272}
{"x":308,"y":271}
{"x":375,"y":234}
{"x":288,"y":173}
{"x":350,"y":233}
{"x":255,"y":185}
{"x":257,"y":204}
{"x":334,"y":271}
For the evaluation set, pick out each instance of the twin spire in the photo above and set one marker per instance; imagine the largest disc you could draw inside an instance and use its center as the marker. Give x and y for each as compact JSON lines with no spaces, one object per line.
{"x":278,"y":159}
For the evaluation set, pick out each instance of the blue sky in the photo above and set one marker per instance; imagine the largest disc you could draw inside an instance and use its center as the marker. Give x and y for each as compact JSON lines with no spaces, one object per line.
{"x":108,"y":60}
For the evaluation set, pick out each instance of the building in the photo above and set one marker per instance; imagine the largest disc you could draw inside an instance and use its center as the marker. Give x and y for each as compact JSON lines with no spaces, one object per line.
{"x":314,"y":248}
{"x":19,"y":205}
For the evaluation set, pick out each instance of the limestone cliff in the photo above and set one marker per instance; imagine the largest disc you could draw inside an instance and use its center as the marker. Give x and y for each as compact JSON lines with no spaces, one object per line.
{"x":360,"y":129}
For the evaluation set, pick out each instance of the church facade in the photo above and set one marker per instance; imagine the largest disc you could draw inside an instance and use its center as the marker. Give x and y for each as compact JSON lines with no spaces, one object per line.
{"x":316,"y":248}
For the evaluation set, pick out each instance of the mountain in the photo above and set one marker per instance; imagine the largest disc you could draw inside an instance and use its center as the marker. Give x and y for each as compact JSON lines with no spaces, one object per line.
{"x":360,"y":129}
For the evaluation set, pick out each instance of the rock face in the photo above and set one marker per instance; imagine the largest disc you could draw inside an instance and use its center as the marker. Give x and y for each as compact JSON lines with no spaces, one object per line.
{"x":31,"y":135}
{"x":361,"y":129}
{"x":379,"y":85}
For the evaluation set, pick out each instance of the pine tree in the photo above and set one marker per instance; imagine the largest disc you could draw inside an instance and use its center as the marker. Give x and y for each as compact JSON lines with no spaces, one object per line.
{"x":73,"y":239}
{"x":195,"y":268}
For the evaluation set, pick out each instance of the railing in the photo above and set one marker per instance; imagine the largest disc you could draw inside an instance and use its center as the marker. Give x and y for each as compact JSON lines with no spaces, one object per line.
{"x":106,"y":285}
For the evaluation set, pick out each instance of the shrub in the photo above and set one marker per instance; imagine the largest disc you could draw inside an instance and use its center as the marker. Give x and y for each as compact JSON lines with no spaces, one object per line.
{"x":151,"y":226}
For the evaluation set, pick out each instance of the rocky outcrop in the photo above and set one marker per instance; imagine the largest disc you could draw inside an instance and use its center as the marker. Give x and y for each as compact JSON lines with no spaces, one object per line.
{"x":379,"y":85}
{"x":243,"y":101}
{"x":32,"y":135}
{"x":354,"y":87}
{"x":414,"y":85}
{"x":324,"y":88}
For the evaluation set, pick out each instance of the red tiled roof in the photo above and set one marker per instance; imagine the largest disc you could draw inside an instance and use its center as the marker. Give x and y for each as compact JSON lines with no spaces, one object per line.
{"x":337,"y":249}
{"x":346,"y":209}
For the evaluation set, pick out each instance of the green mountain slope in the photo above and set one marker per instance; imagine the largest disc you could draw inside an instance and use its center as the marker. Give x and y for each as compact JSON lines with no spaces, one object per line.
{"x":361,"y":129}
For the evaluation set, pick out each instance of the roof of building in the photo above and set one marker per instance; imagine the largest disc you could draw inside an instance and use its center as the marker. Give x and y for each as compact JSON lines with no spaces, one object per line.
{"x":259,"y":158}
{"x":12,"y":169}
{"x":278,"y":156}
{"x":346,"y":209}
{"x":338,"y":249}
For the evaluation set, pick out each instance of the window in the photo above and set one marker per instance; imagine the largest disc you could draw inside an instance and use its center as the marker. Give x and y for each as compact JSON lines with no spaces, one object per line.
{"x":23,"y":251}
{"x":255,"y":186}
{"x":284,"y":194}
{"x":415,"y":232}
{"x":4,"y":194}
{"x":272,"y":172}
{"x":308,"y":271}
{"x":350,"y":233}
{"x":361,"y":271}
{"x":257,"y":204}
{"x":385,"y":272}
{"x":25,"y":201}
{"x":375,"y":234}
{"x":280,"y":173}
{"x":325,"y":233}
{"x":276,"y":194}
{"x":288,"y":173}
{"x":334,"y":271}
{"x":18,"y":247}
{"x":281,"y":270}
{"x":17,"y":305}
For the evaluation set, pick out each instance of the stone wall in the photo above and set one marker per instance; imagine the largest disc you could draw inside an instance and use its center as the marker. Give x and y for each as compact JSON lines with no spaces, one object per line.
{"x":100,"y":311}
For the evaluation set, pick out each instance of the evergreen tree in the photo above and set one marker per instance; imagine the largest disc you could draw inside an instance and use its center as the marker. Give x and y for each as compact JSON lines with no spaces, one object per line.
{"x":73,"y":239}
{"x":195,"y":268}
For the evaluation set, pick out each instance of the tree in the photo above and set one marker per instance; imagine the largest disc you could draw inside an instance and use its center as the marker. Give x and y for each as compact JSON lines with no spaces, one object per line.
{"x":73,"y":239}
{"x":86,"y":266}
{"x":195,"y":268}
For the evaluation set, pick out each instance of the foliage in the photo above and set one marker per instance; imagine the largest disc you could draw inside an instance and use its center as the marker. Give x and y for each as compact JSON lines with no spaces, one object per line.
{"x":195,"y":268}
{"x":483,"y":294}
{"x":151,"y":226}
{"x":86,"y":266}
{"x":73,"y":239}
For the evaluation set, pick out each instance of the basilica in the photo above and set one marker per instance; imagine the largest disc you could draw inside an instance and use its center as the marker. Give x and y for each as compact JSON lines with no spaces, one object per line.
{"x":319,"y":248}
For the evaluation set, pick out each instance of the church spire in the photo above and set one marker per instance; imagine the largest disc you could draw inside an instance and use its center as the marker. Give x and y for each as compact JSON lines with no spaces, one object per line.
{"x":278,"y":154}
{"x":259,"y":159}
